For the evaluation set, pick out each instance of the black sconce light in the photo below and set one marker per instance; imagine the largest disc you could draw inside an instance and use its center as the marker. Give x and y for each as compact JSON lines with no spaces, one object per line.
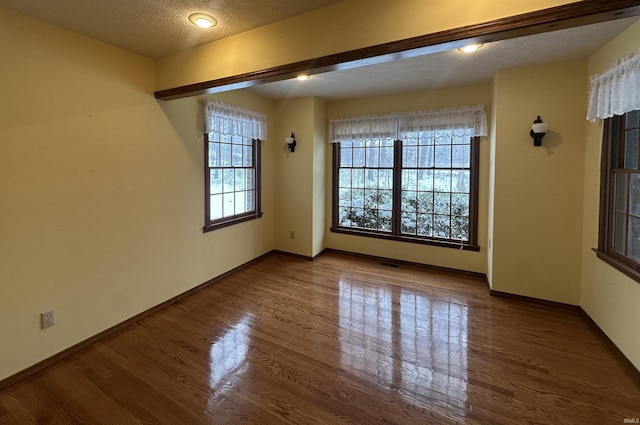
{"x":538,"y":130}
{"x":291,"y":142}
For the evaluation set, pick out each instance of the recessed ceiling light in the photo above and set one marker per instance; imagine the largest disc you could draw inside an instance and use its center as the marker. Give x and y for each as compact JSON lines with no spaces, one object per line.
{"x":470,"y":48}
{"x":203,"y":20}
{"x":303,"y":77}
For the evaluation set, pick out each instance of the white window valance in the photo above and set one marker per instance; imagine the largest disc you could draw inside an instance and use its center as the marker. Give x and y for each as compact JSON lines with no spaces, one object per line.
{"x":470,"y":120}
{"x":617,"y":90}
{"x":232,"y":120}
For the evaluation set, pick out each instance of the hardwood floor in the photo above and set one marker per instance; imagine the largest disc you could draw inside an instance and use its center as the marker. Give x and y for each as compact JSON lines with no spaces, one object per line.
{"x":336,"y":341}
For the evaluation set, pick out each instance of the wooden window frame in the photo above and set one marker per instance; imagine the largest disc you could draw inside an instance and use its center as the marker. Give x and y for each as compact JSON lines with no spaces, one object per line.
{"x":238,"y":218}
{"x":395,"y":235}
{"x":613,"y":128}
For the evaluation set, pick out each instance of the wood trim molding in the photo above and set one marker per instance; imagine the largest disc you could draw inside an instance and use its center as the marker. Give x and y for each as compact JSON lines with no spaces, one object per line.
{"x":561,"y":17}
{"x":118,"y":327}
{"x":393,"y":262}
{"x":630,"y":366}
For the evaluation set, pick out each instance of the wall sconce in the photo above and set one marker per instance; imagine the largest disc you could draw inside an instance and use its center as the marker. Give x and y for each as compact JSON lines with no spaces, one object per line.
{"x":538,"y":130}
{"x":291,"y":142}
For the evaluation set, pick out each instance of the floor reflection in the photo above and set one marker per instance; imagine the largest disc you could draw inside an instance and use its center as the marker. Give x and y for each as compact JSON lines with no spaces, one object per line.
{"x":405,"y":341}
{"x":228,"y":355}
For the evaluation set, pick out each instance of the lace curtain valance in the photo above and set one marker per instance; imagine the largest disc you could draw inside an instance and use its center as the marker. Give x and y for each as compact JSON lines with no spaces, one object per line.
{"x":471,"y":120}
{"x":617,"y":90}
{"x":232,"y":120}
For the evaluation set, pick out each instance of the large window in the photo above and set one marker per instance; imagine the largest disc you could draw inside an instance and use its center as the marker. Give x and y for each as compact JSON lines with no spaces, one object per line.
{"x":232,"y":164}
{"x":619,"y":241}
{"x":409,"y":179}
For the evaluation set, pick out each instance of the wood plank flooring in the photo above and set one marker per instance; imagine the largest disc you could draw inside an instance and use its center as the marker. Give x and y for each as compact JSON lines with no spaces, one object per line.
{"x":342,"y":340}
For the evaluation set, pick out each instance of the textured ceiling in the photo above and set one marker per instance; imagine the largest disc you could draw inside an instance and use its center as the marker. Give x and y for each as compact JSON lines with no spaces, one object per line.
{"x":450,"y":68}
{"x":157,"y":28}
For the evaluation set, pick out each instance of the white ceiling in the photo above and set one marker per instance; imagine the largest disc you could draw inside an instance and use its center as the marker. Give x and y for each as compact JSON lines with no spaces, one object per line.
{"x":449,"y":68}
{"x":157,"y":28}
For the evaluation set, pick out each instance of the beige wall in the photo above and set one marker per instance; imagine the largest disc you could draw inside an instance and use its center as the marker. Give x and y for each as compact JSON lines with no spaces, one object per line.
{"x":102,"y":188}
{"x":424,"y":254}
{"x":537,"y":200}
{"x":344,"y":26}
{"x":608,"y":296}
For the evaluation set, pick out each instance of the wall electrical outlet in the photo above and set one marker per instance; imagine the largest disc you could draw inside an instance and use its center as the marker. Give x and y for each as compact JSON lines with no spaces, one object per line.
{"x":292,"y":235}
{"x":46,"y":319}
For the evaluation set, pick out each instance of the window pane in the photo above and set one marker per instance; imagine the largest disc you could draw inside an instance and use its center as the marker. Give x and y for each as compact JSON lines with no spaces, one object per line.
{"x":215,"y":207}
{"x":409,"y":156}
{"x":425,"y":156}
{"x":461,"y":181}
{"x":385,"y":179}
{"x":631,"y":149}
{"x":425,"y":179}
{"x":634,"y":238}
{"x":214,"y":155}
{"x":460,"y":204}
{"x":634,"y":195}
{"x":344,"y":179}
{"x":633,"y":119}
{"x":441,"y":226}
{"x":461,"y":156}
{"x":346,"y":157}
{"x":240,"y":179}
{"x":442,"y":180}
{"x":460,"y":228}
{"x":225,"y":155}
{"x":409,"y":223}
{"x":620,"y":192}
{"x":425,"y":202}
{"x":410,"y":179}
{"x":358,"y":157}
{"x":250,"y":179}
{"x":228,"y":176}
{"x":409,"y":201}
{"x":240,"y":203}
{"x":215,"y":181}
{"x":619,"y":230}
{"x":357,"y":178}
{"x":425,"y":225}
{"x":236,"y":155}
{"x":227,"y":204}
{"x":442,"y":203}
{"x":443,"y":156}
{"x":372,"y":179}
{"x":386,"y":156}
{"x":372,"y":157}
{"x":247,"y":156}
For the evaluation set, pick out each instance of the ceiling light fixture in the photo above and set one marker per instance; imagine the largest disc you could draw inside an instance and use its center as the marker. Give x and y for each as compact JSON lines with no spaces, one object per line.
{"x":303,"y":77}
{"x":203,"y":20}
{"x":470,"y":48}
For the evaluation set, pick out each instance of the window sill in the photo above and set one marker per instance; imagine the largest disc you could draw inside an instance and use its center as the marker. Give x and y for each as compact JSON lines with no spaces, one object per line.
{"x":632,"y":272}
{"x":409,"y":239}
{"x":230,"y":221}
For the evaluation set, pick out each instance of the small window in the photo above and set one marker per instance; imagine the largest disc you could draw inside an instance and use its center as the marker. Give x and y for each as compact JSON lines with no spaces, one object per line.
{"x":232,"y":165}
{"x":619,"y":236}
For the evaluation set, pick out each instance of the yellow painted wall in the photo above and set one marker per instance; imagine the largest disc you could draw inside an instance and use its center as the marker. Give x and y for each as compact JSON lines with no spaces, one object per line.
{"x":294,"y":177}
{"x":344,"y":26}
{"x":608,"y":296}
{"x":319,"y":167}
{"x":102,"y":192}
{"x":537,"y":199}
{"x":424,"y":254}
